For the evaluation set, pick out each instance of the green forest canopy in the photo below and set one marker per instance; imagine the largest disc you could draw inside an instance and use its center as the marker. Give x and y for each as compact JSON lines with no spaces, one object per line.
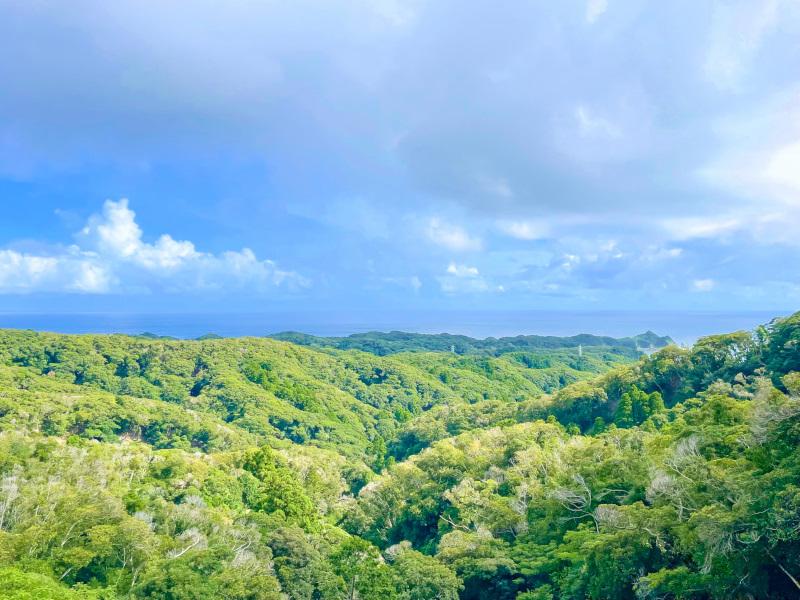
{"x":399,"y":341}
{"x":261,"y":469}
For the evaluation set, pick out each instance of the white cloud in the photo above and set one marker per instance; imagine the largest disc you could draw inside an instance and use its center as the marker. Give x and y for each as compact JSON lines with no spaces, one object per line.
{"x":464,"y":279}
{"x":71,"y":271}
{"x":703,"y":285}
{"x":115,"y":233}
{"x":451,"y":236}
{"x":114,"y":257}
{"x":524,"y":230}
{"x":591,"y":124}
{"x":759,"y":165}
{"x":772,"y":171}
{"x":91,"y":278}
{"x":763,"y":223}
{"x":617,"y":127}
{"x":737,"y":31}
{"x":570,"y":261}
{"x":761,"y":151}
{"x":462,"y":270}
{"x":21,"y":272}
{"x":782,"y":170}
{"x":667,"y":253}
{"x":115,"y":230}
{"x":686,"y":228}
{"x":595,"y":9}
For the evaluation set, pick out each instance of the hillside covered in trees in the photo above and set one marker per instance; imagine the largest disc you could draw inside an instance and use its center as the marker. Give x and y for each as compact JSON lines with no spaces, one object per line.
{"x":254,"y":469}
{"x":399,"y":341}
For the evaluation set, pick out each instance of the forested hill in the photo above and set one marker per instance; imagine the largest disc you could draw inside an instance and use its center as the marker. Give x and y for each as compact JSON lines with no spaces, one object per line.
{"x":268,"y":389}
{"x":256,"y":469}
{"x":398,"y":341}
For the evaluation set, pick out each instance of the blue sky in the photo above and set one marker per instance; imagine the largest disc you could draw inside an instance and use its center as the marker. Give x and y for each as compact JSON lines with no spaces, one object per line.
{"x":399,"y":154}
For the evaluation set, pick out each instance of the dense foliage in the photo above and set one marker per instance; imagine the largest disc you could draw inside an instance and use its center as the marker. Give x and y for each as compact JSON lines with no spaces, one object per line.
{"x":400,"y":341}
{"x":258,"y":469}
{"x":215,"y":393}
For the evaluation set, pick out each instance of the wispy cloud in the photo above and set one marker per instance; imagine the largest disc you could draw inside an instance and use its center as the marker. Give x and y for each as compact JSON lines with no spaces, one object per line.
{"x":496,"y":186}
{"x":737,"y":31}
{"x":451,"y":236}
{"x":758,"y":166}
{"x":595,"y":9}
{"x":413,"y":282}
{"x":524,"y":230}
{"x":703,"y":285}
{"x":760,"y":153}
{"x":593,"y":125}
{"x":686,"y":228}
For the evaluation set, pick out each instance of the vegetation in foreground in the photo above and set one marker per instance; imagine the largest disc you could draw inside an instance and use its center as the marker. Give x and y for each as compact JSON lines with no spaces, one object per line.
{"x":259,"y":469}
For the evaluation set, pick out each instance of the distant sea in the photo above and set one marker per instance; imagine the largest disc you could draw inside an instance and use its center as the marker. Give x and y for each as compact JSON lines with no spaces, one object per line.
{"x":683,"y":327}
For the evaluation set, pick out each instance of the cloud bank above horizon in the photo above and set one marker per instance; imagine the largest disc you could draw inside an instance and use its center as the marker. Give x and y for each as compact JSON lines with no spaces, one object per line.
{"x":600,"y":154}
{"x":111,"y":257}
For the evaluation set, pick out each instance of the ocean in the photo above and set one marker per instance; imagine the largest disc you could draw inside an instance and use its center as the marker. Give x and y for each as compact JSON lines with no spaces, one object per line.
{"x":684,"y":327}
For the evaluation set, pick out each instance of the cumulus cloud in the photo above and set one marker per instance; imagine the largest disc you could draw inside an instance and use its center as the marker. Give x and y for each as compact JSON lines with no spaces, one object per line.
{"x":462,"y":270}
{"x":465,"y":279}
{"x":112,"y":256}
{"x":71,"y":271}
{"x":115,"y":234}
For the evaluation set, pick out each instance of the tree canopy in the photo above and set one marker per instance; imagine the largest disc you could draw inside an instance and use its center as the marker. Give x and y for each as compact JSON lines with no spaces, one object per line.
{"x":250,"y":469}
